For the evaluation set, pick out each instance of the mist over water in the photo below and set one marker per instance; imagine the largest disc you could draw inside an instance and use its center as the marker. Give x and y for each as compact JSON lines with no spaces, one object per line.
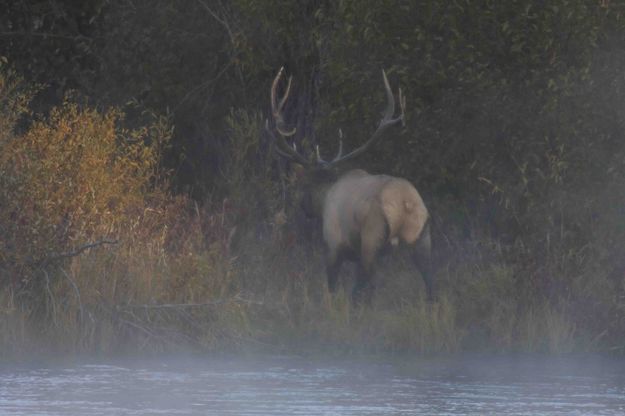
{"x":466,"y":385}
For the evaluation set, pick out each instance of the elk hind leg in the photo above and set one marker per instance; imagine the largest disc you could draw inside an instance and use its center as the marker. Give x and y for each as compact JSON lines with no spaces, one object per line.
{"x":333,"y":267}
{"x":423,"y":260}
{"x":373,"y":234}
{"x":365,"y":284}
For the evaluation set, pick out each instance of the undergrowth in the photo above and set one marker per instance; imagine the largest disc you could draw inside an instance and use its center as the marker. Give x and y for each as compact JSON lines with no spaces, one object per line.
{"x":98,"y":256}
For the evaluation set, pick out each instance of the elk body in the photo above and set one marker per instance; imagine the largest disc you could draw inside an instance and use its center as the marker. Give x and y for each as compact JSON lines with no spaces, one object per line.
{"x":361,"y":213}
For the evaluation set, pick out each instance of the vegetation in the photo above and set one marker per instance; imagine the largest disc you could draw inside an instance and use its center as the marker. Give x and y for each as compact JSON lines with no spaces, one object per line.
{"x":142,"y":206}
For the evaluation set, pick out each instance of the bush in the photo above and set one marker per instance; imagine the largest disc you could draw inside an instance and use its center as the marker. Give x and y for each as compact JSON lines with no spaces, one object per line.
{"x":73,"y":181}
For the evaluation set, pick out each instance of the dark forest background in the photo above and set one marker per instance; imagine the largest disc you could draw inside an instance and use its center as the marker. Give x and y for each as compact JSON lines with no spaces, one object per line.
{"x":155,"y":109}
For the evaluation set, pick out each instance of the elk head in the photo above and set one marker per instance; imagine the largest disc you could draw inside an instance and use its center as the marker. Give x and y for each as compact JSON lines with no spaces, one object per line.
{"x":361,"y":213}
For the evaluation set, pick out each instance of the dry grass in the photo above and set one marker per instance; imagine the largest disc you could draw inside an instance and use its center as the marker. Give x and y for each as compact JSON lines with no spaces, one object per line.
{"x":137,"y":296}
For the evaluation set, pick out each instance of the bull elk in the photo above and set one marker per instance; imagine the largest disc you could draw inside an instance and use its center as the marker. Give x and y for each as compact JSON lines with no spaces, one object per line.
{"x":361,"y":213}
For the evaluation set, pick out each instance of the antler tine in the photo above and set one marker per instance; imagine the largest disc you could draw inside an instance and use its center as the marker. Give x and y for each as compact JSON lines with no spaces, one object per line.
{"x":286,"y":93}
{"x":402,"y":107}
{"x":385,"y":123}
{"x":390,"y":107}
{"x":274,"y":86}
{"x":276,"y":108}
{"x":319,"y":159}
{"x":283,"y":148}
{"x":339,"y":154}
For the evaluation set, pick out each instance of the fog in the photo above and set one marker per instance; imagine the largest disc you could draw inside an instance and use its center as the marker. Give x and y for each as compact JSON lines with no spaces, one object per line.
{"x":143,"y":210}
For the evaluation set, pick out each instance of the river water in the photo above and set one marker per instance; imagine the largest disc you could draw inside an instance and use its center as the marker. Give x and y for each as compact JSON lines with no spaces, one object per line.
{"x":277,"y":385}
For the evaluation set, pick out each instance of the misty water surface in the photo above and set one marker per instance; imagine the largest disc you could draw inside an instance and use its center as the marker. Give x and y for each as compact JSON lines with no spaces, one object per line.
{"x":463,"y":385}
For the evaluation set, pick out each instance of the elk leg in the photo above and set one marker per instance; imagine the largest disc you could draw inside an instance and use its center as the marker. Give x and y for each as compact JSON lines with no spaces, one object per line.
{"x":363,"y":289}
{"x":423,"y":260}
{"x":333,"y":266}
{"x":373,"y":234}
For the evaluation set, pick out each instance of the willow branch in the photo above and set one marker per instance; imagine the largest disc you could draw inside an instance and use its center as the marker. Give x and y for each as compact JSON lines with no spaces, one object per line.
{"x":73,"y":253}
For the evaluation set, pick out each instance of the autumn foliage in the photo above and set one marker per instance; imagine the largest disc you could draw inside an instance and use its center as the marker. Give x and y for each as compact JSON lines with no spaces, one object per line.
{"x":87,"y":222}
{"x":75,"y":177}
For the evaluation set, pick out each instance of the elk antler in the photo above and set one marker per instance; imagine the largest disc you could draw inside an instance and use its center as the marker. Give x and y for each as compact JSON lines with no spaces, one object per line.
{"x":386,"y":122}
{"x":339,"y":153}
{"x":282,"y":147}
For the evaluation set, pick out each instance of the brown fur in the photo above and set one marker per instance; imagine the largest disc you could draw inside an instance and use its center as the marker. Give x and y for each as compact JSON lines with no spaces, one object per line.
{"x":367,"y":211}
{"x":361,"y":213}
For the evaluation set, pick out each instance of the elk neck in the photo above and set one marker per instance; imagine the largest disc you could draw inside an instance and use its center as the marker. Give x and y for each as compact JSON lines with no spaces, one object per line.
{"x":316,"y":186}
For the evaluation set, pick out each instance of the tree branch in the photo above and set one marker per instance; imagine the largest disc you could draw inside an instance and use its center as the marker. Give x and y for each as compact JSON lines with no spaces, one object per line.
{"x":236,"y":299}
{"x":45,"y":35}
{"x":59,"y":256}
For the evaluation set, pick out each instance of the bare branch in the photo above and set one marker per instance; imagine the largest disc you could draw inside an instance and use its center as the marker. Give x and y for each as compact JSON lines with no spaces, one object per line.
{"x":59,"y":256}
{"x":77,"y":291}
{"x":204,"y":85}
{"x":47,"y":35}
{"x":50,"y":296}
{"x":220,"y":20}
{"x":217,"y":302}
